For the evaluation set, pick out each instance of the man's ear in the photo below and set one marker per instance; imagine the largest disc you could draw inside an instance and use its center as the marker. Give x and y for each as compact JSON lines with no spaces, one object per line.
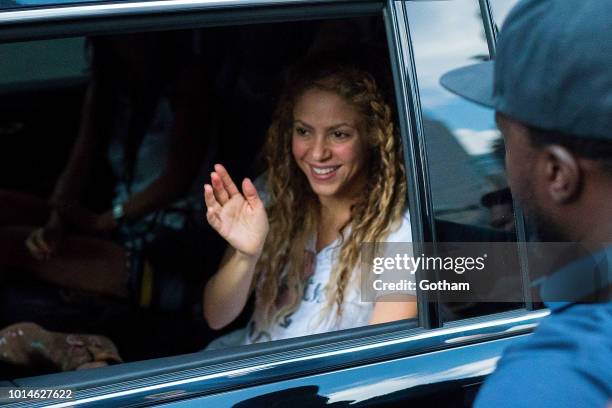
{"x":563,"y":174}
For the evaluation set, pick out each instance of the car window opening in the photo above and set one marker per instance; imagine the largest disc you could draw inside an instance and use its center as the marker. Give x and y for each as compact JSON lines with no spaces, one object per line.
{"x":106,"y":245}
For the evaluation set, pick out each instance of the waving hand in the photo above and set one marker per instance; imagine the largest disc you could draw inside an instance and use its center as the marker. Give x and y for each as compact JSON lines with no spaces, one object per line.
{"x":240,"y":218}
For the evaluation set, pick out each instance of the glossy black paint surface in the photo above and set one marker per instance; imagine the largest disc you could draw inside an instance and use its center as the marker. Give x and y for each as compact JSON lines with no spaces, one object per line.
{"x":406,"y":379}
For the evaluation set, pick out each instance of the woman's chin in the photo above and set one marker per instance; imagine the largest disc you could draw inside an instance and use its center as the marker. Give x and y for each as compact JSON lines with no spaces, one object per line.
{"x":332,"y":189}
{"x":322,"y":190}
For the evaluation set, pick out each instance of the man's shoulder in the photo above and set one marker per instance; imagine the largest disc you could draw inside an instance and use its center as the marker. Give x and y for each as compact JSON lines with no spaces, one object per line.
{"x":578,"y":325}
{"x":579,"y":334}
{"x":565,"y":362}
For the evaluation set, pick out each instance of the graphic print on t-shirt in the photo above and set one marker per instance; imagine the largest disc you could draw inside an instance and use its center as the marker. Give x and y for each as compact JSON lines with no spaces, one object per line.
{"x":313,"y":292}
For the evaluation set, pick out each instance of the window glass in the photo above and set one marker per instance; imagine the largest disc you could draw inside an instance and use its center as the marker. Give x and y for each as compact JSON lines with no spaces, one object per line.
{"x":501,"y":8}
{"x":464,"y":146}
{"x":465,"y":150}
{"x":46,"y":60}
{"x":121,"y":157}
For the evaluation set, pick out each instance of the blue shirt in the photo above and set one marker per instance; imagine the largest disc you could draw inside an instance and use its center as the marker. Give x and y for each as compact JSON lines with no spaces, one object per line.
{"x":566,"y":362}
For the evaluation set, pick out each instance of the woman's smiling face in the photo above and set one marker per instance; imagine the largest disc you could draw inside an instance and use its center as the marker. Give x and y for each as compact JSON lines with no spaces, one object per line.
{"x":328,"y":144}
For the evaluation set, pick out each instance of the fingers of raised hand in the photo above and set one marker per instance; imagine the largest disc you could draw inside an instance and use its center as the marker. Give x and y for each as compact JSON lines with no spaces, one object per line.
{"x":212,"y":205}
{"x":227,"y":180}
{"x":209,"y":198}
{"x":219,"y":190}
{"x":250,"y":193}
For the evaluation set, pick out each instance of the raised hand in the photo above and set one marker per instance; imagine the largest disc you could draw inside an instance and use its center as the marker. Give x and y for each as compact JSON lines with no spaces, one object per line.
{"x":240,"y":218}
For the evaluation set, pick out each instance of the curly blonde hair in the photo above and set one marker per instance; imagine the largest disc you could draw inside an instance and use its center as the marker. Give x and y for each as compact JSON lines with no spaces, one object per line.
{"x":293,"y":207}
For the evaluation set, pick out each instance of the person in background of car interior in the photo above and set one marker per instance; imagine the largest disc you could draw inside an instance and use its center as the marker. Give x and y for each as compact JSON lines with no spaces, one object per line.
{"x":142,"y":116}
{"x":499,"y":203}
{"x":29,"y":345}
{"x":335,"y":179}
{"x":551,"y":87}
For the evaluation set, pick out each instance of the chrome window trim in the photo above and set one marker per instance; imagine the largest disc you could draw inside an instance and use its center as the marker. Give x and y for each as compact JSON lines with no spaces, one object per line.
{"x":489,"y":24}
{"x":399,"y":45}
{"x":429,"y":310}
{"x":404,"y":54}
{"x":81,"y":11}
{"x":225,"y":380}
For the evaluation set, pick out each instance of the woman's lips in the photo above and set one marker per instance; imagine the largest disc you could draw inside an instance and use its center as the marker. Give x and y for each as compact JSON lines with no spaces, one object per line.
{"x":323,"y":173}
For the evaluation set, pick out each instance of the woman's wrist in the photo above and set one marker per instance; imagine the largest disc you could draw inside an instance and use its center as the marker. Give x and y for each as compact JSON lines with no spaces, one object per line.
{"x":248,"y":257}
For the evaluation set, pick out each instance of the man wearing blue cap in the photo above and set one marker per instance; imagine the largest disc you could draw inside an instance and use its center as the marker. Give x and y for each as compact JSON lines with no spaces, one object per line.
{"x":551,"y":87}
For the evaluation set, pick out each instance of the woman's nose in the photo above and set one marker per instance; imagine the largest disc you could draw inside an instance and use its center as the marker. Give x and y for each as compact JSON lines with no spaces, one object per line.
{"x":319,"y":149}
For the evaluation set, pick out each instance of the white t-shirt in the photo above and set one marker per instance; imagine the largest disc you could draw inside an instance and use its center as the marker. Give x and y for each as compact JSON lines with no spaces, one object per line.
{"x":309,"y":317}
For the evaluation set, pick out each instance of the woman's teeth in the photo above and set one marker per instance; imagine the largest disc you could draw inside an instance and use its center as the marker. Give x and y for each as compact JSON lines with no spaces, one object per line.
{"x":324,"y":170}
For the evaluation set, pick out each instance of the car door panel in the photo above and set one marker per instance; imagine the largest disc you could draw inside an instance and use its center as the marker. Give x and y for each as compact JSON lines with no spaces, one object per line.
{"x":426,"y":378}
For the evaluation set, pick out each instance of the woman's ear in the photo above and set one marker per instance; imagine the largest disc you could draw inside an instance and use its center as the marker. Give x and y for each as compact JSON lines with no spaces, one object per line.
{"x":563,"y":174}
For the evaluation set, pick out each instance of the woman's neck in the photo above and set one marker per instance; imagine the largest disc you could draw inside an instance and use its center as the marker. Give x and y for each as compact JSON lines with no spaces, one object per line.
{"x":333,"y":215}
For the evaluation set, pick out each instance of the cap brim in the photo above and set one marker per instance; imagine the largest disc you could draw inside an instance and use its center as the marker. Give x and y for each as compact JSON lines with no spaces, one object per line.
{"x":474,"y":82}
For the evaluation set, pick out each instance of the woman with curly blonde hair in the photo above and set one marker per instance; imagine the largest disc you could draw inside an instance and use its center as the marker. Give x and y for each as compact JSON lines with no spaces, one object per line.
{"x":335,"y":179}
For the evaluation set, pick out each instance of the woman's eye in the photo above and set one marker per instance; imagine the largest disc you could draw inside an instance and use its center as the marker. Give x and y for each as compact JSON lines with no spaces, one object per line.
{"x":340,"y":135}
{"x":300,"y":131}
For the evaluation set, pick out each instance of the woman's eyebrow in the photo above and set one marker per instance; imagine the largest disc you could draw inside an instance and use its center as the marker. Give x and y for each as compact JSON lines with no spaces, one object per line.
{"x":332,"y":127}
{"x":339,"y":125}
{"x":306,"y":125}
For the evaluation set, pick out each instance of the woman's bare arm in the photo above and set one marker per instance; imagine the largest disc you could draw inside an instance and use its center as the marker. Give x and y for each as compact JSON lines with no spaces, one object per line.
{"x":390,"y":311}
{"x":226,"y":293}
{"x":241,"y":219}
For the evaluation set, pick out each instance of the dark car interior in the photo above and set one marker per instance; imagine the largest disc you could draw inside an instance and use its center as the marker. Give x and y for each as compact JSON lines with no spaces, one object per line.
{"x":40,"y":113}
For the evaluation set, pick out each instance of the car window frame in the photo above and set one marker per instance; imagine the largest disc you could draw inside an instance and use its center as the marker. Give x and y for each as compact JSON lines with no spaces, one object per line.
{"x":491,"y":32}
{"x":141,"y":16}
{"x":430,"y":312}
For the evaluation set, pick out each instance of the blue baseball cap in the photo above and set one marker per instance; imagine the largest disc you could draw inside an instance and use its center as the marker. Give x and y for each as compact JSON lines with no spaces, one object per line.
{"x":553,"y":68}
